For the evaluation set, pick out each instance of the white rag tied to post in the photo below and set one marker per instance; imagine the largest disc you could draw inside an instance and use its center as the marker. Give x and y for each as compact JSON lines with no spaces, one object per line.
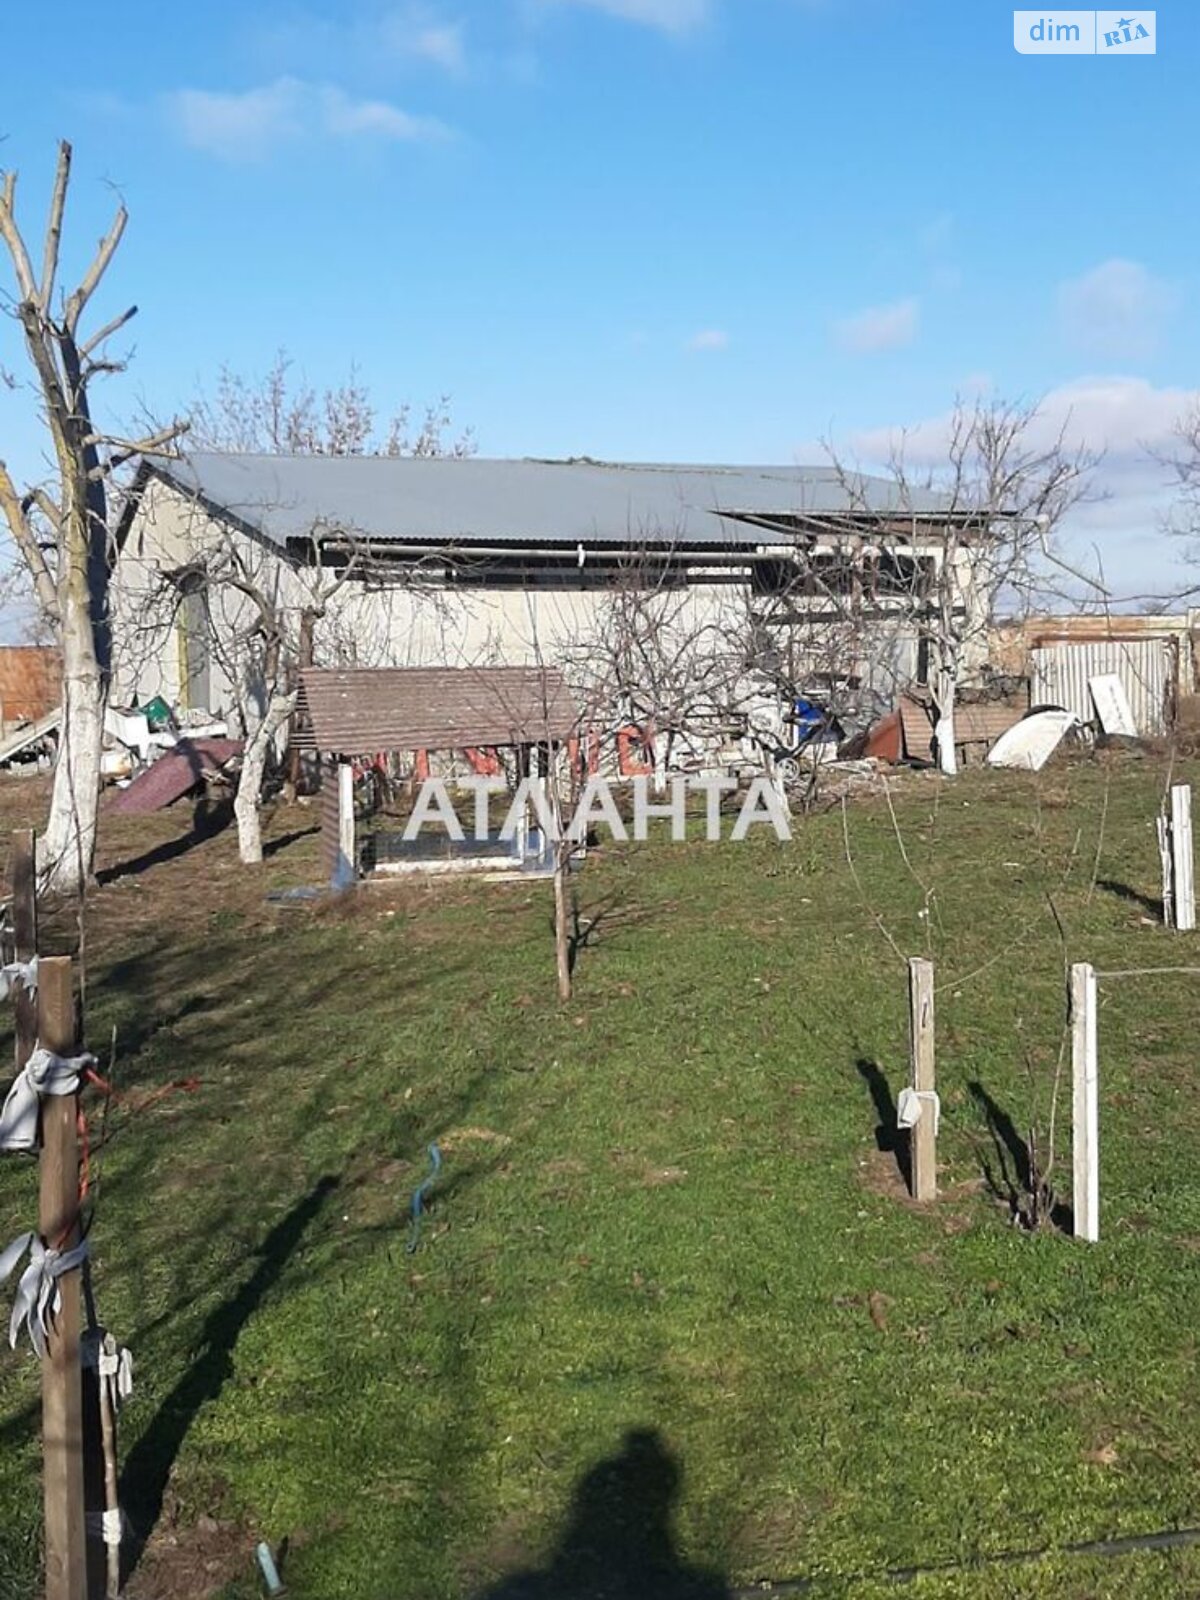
{"x":39,"y":1299}
{"x":911,"y":1106}
{"x":101,"y":1353}
{"x":22,"y":974}
{"x":43,"y":1073}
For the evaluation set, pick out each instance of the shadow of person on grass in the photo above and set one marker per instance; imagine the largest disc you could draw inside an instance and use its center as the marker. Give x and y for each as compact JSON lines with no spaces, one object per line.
{"x":618,"y":1543}
{"x":148,"y":1466}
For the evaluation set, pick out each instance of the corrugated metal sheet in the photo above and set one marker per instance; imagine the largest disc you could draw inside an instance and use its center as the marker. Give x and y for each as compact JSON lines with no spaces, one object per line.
{"x":451,"y":501}
{"x":1146,"y":667}
{"x":30,"y":679}
{"x":358,"y":711}
{"x":1012,"y":640}
{"x":978,"y":724}
{"x":174,"y":773}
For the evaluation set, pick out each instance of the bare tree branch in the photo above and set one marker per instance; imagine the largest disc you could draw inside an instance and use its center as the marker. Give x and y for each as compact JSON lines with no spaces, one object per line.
{"x":11,"y":235}
{"x":105,"y":251}
{"x":58,"y":201}
{"x":156,"y":444}
{"x":106,"y":332}
{"x":26,"y":542}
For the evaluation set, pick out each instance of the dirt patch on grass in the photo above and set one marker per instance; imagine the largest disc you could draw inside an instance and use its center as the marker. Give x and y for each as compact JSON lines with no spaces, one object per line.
{"x":879,"y":1172}
{"x":192,"y":1563}
{"x":765,"y":1542}
{"x":508,"y":1550}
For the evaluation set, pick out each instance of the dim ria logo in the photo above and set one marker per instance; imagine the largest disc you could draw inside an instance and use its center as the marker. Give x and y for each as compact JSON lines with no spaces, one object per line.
{"x":1084,"y":33}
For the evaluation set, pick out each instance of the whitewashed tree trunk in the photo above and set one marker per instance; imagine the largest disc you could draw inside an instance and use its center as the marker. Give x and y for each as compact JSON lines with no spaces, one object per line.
{"x":71,"y":517}
{"x":660,"y":742}
{"x":68,"y":847}
{"x":250,"y":781}
{"x":943,"y":730}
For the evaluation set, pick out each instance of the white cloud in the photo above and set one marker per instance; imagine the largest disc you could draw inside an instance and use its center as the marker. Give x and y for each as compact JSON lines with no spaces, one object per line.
{"x":709,"y":339}
{"x":880,"y":327}
{"x":1117,"y":309}
{"x":308,"y":42}
{"x":444,"y":44}
{"x":670,"y":16}
{"x":248,"y":125}
{"x":418,"y":32}
{"x":1124,"y":417}
{"x":1131,"y":424}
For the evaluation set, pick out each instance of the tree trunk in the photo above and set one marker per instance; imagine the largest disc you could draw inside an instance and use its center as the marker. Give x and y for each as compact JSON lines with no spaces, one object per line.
{"x":943,"y":732}
{"x":562,"y":933}
{"x":68,"y":847}
{"x":250,"y":781}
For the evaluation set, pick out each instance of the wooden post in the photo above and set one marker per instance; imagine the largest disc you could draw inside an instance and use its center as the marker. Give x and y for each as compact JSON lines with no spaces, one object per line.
{"x":923,"y":1143}
{"x":24,"y":910}
{"x":1168,"y":870}
{"x":1085,"y":1103}
{"x":1182,"y":863}
{"x":58,"y":1223}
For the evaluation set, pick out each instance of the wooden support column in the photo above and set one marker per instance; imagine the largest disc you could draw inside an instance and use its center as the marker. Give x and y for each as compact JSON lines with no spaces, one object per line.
{"x":1182,"y":860}
{"x":58,"y":1224}
{"x":1085,"y":1103}
{"x":346,"y":872}
{"x":25,"y":935}
{"x":923,"y":1138}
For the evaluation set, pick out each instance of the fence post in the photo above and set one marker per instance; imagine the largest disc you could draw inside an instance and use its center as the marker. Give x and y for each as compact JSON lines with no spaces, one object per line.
{"x":1163,"y":827}
{"x":25,"y":935}
{"x":1085,"y":1104}
{"x":58,"y":1223}
{"x":1182,"y":864}
{"x":923,"y":1145}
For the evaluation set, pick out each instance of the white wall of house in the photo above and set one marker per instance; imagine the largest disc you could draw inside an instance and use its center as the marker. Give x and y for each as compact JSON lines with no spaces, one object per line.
{"x":158,"y":641}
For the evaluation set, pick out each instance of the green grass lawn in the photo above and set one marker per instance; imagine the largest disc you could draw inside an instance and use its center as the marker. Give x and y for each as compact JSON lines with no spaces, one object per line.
{"x":664,"y":1212}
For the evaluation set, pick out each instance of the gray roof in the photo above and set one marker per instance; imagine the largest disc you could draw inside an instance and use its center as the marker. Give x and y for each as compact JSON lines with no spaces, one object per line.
{"x":451,"y":501}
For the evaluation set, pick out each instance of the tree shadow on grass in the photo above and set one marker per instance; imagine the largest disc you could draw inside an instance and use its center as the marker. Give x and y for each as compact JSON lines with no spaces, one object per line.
{"x":612,"y":914}
{"x":1151,"y":904}
{"x":619,"y":1542}
{"x":1009,"y":1173}
{"x":148,"y":1466}
{"x":210,"y":816}
{"x":889,"y":1136}
{"x":281,"y":841}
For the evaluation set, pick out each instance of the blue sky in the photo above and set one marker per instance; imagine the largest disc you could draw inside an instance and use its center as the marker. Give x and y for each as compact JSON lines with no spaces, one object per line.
{"x":647,"y":229}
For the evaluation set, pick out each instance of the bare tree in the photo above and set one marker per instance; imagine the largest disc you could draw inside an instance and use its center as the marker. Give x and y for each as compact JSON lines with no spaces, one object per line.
{"x":657,"y":653}
{"x":277,"y":414}
{"x":1183,"y":463}
{"x":269,"y":612}
{"x":61,"y":526}
{"x":1004,"y":482}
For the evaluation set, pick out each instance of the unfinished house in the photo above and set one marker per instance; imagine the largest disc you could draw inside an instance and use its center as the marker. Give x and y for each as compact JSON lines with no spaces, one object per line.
{"x":666,"y":594}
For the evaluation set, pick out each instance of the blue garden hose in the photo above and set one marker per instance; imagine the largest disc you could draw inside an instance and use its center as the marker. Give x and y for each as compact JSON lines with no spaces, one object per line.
{"x":418,"y":1199}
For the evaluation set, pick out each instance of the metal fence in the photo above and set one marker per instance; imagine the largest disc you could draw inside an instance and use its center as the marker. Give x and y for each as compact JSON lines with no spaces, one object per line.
{"x":1146,"y":667}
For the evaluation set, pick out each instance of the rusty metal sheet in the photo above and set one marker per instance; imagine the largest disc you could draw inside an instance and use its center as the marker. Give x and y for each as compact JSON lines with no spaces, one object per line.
{"x":173,"y":774}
